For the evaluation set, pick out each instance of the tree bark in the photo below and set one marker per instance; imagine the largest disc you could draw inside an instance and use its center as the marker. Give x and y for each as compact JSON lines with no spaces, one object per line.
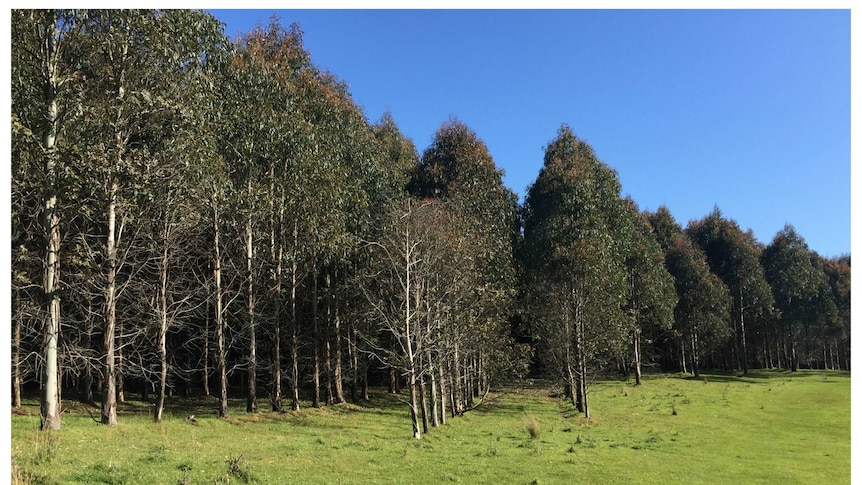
{"x":206,"y":370}
{"x":16,"y":353}
{"x":109,"y":392}
{"x":338,"y":378}
{"x":163,"y":324}
{"x":742,"y":332}
{"x":251,"y":399}
{"x":432,"y":377}
{"x":443,"y":392}
{"x":327,"y":337}
{"x":637,"y":346}
{"x":50,"y":396}
{"x":219,"y":314}
{"x":294,"y":325}
{"x":315,"y":400}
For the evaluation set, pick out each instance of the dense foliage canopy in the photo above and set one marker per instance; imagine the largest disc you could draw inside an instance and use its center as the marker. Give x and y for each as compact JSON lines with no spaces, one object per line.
{"x":191,"y":215}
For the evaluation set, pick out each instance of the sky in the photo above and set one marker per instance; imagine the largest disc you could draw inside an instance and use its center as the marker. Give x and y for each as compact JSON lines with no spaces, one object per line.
{"x":746,"y":110}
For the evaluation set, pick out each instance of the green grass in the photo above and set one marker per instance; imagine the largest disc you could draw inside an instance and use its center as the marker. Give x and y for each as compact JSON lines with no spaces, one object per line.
{"x":769,"y":427}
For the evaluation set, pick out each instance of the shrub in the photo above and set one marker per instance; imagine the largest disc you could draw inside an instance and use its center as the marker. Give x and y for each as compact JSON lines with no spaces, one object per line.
{"x":532,"y":425}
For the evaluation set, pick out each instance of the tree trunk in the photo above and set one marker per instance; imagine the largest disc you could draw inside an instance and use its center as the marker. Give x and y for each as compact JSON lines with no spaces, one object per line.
{"x":414,"y":405}
{"x":16,"y":353}
{"x":219,"y":315}
{"x":87,"y":385}
{"x":50,"y":396}
{"x":457,"y":402}
{"x":443,"y":391}
{"x":338,"y":372}
{"x":352,"y":352}
{"x":109,"y":392}
{"x":251,"y":399}
{"x":423,"y":401}
{"x":393,"y":381}
{"x":163,"y":327}
{"x":742,"y":332}
{"x":276,"y":251}
{"x":206,"y":370}
{"x":121,"y":382}
{"x":695,"y":351}
{"x":294,"y":338}
{"x":637,"y":346}
{"x":315,"y":400}
{"x":327,"y":337}
{"x":431,"y":376}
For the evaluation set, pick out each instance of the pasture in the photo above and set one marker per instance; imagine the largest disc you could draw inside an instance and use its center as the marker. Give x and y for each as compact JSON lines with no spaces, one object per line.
{"x":767,"y":427}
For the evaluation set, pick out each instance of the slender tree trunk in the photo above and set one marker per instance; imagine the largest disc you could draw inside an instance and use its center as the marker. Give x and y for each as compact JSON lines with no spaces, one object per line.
{"x":423,"y":401}
{"x":695,"y":354}
{"x":414,"y":404}
{"x":87,"y":387}
{"x":16,"y":353}
{"x":206,"y":370}
{"x":251,"y":399}
{"x":457,"y":402}
{"x":121,"y":382}
{"x":431,"y":376}
{"x":315,"y":401}
{"x":163,"y":327}
{"x":443,"y":391}
{"x":338,"y":377}
{"x":50,"y":396}
{"x":354,"y":364}
{"x":294,"y":337}
{"x":742,"y":331}
{"x":637,"y":347}
{"x":109,"y":392}
{"x":219,"y":315}
{"x":327,"y":337}
{"x":277,"y":400}
{"x":579,"y":376}
{"x":682,"y":356}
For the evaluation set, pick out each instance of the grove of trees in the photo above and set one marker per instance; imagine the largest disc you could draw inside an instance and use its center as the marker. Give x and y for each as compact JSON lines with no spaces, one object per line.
{"x":192,"y":215}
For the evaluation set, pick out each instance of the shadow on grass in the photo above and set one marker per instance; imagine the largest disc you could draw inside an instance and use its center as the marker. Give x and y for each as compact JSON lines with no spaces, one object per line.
{"x":758,"y":376}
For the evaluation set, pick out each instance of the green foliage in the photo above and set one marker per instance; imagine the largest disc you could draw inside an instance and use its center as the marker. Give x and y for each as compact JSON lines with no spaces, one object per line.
{"x":574,"y":251}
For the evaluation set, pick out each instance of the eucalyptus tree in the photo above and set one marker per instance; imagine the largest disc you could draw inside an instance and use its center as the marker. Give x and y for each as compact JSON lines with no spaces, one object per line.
{"x":575,"y":262}
{"x":404,"y":265}
{"x":823,"y":321}
{"x":138,"y":70}
{"x":733,"y":255}
{"x":796,"y":285}
{"x":651,"y":296}
{"x":45,"y":74}
{"x":838,"y":347}
{"x":702,"y":312}
{"x":458,"y":169}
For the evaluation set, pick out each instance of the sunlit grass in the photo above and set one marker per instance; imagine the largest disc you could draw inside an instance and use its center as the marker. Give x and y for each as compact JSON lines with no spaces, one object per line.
{"x":765,"y":428}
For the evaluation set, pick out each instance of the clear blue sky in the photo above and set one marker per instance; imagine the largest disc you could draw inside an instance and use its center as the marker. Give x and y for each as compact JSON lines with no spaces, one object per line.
{"x":748,"y":110}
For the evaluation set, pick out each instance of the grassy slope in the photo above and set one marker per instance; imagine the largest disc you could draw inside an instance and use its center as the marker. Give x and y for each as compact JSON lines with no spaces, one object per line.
{"x":767,"y":428}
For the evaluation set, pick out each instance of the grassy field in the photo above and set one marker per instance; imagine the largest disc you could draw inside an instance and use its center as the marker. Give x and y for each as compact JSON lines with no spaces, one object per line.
{"x":769,"y":427}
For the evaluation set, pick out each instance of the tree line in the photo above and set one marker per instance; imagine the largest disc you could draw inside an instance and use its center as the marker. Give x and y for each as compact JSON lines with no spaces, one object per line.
{"x":195,"y":215}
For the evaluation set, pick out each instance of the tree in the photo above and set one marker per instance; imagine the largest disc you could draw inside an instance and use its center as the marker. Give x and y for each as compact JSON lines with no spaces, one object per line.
{"x":733,"y":255}
{"x":797,"y":287}
{"x":403,"y":268}
{"x":702,"y":313}
{"x":651,"y":296}
{"x":458,"y":169}
{"x":45,"y":77}
{"x":838,"y":273}
{"x":575,"y":262}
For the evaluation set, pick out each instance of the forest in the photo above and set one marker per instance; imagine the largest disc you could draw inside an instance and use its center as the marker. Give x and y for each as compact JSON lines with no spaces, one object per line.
{"x":198,"y":216}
